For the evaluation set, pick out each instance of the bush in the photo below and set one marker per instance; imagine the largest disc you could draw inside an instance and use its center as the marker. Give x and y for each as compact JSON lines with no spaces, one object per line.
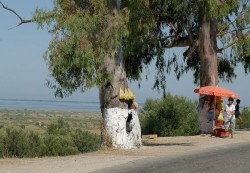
{"x":169,"y":116}
{"x":85,"y":141}
{"x":1,"y":144}
{"x":245,"y":113}
{"x":59,"y":140}
{"x":14,"y":143}
{"x":36,"y":144}
{"x":58,"y":145}
{"x":61,"y":127}
{"x":62,"y":140}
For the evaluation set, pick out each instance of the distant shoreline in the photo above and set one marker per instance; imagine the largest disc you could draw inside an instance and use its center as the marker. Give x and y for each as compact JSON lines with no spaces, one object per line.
{"x":23,"y":104}
{"x":39,"y":100}
{"x":53,"y":105}
{"x":49,"y":110}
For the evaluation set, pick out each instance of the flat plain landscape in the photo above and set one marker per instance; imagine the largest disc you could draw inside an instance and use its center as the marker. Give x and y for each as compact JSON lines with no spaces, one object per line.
{"x":37,"y":120}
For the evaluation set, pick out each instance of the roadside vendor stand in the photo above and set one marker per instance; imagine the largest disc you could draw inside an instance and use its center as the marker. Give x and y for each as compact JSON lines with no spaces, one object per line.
{"x":218,"y":127}
{"x":218,"y":93}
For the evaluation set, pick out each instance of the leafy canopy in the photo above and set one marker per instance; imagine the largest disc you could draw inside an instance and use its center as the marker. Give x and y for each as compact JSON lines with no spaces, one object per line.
{"x":84,"y":32}
{"x":178,"y":25}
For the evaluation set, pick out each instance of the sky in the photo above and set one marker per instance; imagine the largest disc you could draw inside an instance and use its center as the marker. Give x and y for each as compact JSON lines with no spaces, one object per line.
{"x":23,"y":71}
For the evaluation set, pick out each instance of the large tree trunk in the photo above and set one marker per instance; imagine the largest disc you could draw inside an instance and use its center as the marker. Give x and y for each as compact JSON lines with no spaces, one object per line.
{"x":208,"y":69}
{"x":121,"y":127}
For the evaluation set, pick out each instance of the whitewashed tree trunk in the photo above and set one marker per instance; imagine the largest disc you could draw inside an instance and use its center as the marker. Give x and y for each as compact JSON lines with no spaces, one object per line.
{"x":121,"y":126}
{"x":122,"y":133}
{"x":208,"y":67}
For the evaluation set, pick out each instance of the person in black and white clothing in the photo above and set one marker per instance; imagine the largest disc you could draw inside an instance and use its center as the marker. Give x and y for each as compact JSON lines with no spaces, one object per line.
{"x":230,"y":116}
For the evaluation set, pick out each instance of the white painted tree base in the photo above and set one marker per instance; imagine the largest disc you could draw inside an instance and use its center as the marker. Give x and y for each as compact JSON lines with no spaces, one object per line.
{"x":205,"y":124}
{"x":115,"y":120}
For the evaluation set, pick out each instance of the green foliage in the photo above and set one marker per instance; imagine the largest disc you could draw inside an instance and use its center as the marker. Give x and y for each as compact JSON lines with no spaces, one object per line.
{"x":176,"y":23}
{"x":85,"y":141}
{"x":59,"y":145}
{"x":15,"y":142}
{"x":59,"y":128}
{"x":84,"y":33}
{"x":138,"y":47}
{"x":245,"y":113}
{"x":59,"y":140}
{"x":169,"y":116}
{"x":35,"y":145}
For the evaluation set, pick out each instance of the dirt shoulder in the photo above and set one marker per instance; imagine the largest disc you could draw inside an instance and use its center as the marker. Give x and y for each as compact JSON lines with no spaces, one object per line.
{"x":108,"y":158}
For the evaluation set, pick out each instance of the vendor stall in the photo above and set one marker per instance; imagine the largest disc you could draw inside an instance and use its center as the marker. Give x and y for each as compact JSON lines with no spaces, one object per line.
{"x":217,"y":105}
{"x":218,"y":127}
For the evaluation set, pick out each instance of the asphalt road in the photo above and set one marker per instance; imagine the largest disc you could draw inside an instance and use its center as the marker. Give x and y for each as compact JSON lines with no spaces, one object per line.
{"x":227,"y":159}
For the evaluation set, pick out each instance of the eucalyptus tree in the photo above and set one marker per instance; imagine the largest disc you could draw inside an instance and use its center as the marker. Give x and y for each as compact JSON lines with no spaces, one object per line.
{"x":86,"y":51}
{"x":213,"y":33}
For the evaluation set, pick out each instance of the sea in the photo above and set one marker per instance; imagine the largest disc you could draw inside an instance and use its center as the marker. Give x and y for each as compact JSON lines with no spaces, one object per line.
{"x":77,"y":106}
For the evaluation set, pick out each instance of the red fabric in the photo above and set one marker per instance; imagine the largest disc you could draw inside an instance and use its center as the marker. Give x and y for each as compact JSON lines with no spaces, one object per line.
{"x":221,"y":133}
{"x":216,"y":91}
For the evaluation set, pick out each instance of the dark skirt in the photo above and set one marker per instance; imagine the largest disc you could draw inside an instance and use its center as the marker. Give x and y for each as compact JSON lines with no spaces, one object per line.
{"x":237,"y":114}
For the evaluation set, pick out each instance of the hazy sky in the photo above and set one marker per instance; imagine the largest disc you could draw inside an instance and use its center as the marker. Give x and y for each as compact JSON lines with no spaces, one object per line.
{"x":23,"y":71}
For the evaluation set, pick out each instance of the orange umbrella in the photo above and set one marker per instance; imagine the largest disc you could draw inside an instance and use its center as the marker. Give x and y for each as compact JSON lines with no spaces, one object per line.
{"x":216,"y":91}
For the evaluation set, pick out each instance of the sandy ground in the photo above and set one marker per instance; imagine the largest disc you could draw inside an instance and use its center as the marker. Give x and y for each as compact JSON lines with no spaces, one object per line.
{"x":111,"y":157}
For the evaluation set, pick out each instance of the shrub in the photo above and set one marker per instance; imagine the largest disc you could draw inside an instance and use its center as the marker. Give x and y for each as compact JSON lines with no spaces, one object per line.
{"x":61,"y":127}
{"x":14,"y":143}
{"x":245,"y":113}
{"x":58,"y":145}
{"x":62,"y":140}
{"x":36,"y":144}
{"x":1,"y":144}
{"x":169,"y":116}
{"x":86,"y":141}
{"x":59,"y":140}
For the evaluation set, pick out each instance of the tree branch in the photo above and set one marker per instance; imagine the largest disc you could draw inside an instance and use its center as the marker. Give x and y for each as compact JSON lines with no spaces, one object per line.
{"x":172,"y":26}
{"x":191,"y":49}
{"x":232,"y":22}
{"x":190,"y":36}
{"x":237,"y":39}
{"x":235,"y":30}
{"x":179,"y":42}
{"x":22,"y":21}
